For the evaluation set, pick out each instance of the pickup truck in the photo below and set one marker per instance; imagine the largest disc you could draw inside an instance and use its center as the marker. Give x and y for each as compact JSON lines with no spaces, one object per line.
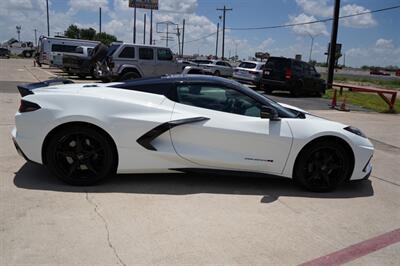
{"x":79,"y":63}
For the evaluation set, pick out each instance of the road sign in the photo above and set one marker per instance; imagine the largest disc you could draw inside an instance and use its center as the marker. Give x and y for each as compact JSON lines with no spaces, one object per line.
{"x":147,"y":4}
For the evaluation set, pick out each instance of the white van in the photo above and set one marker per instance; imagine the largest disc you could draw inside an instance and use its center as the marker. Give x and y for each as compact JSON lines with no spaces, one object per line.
{"x":51,"y":49}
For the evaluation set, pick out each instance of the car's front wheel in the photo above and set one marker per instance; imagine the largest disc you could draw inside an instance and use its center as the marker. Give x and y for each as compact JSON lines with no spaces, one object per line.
{"x":129,"y":76}
{"x":81,"y":155}
{"x":323,"y":166}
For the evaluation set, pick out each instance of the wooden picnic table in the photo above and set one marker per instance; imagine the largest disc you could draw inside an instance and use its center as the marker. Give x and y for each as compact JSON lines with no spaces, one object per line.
{"x":379,"y":91}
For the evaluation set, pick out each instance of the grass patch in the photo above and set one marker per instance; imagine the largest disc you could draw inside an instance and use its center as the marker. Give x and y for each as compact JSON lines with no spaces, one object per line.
{"x":367,"y":100}
{"x":365,"y":81}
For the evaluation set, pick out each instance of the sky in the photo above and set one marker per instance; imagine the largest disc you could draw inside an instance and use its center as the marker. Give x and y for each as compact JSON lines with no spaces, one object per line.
{"x":371,"y":39}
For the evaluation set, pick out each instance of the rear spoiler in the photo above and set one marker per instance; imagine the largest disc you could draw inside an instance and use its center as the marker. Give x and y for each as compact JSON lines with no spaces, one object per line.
{"x":26,"y":89}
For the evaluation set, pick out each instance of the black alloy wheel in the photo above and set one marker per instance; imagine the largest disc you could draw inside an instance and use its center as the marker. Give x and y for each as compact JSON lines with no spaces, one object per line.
{"x":81,"y":156}
{"x":323,"y":167}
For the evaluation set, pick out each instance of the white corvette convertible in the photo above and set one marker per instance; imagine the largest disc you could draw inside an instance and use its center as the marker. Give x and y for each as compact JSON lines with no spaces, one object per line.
{"x":186,"y":123}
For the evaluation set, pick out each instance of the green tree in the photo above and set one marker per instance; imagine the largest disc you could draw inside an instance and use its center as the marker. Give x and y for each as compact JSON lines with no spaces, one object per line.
{"x":105,"y":38}
{"x":72,"y":32}
{"x":87,"y":34}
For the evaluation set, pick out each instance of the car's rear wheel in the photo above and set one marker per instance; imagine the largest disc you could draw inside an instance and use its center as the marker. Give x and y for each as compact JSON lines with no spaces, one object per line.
{"x":129,"y":76}
{"x":81,"y":155}
{"x":322,"y":166}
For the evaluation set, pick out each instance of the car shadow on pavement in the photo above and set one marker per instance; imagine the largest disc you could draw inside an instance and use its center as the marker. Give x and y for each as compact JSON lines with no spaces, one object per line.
{"x":36,"y":177}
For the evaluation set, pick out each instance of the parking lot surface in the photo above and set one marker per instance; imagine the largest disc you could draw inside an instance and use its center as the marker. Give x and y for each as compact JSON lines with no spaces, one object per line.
{"x":196,"y":219}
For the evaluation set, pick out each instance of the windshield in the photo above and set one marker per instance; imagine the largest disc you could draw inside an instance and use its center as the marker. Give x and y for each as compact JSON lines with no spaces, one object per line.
{"x":112,"y":49}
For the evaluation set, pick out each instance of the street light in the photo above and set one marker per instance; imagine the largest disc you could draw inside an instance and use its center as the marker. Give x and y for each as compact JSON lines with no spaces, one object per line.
{"x":312,"y":44}
{"x":18,"y":27}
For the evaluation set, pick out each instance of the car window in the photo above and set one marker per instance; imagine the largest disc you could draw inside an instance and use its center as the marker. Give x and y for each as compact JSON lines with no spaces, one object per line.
{"x":219,"y":63}
{"x":313,"y":71}
{"x":248,"y":65}
{"x":227,"y":64}
{"x":89,"y":51}
{"x":297,"y":66}
{"x":112,"y":49}
{"x":63,"y":48}
{"x":127,"y":52}
{"x":218,"y":98}
{"x":164,"y":54}
{"x":146,"y":53}
{"x":307,"y":70}
{"x":202,"y":61}
{"x":79,"y":50}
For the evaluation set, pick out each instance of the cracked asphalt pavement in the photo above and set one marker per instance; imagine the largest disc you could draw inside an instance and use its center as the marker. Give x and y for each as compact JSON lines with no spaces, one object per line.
{"x":195,"y":219}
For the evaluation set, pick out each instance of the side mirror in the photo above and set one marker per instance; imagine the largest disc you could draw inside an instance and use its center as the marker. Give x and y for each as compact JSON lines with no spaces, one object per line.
{"x":270,"y":113}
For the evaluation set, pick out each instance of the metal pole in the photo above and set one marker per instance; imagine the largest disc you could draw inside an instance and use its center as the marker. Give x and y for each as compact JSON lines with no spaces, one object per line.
{"x":48,"y":20}
{"x":223,"y":28}
{"x":223,"y":35}
{"x":167,"y":37}
{"x":151,"y":26}
{"x":178,"y":33}
{"x":332,"y":50}
{"x":312,"y":44}
{"x":134,"y":25}
{"x":183,"y":36}
{"x":99,"y":19}
{"x":216,"y":42}
{"x":144,"y":29}
{"x":35,"y":37}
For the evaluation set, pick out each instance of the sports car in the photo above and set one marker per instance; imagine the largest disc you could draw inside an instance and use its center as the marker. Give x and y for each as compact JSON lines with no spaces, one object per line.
{"x":182,"y":123}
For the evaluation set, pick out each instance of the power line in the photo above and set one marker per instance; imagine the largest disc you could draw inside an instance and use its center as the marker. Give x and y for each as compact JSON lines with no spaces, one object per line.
{"x":294,"y":24}
{"x":315,"y":21}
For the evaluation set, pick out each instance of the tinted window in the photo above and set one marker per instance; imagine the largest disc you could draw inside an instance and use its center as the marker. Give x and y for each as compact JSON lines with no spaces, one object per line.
{"x":127,"y":52}
{"x":146,"y":53}
{"x":218,"y":98}
{"x":202,"y":61}
{"x":277,"y":63}
{"x":247,"y":65}
{"x":307,"y":70}
{"x":226,"y":64}
{"x":63,"y":48}
{"x":219,"y":63}
{"x":89,"y":51}
{"x":164,"y":54}
{"x":297,"y":66}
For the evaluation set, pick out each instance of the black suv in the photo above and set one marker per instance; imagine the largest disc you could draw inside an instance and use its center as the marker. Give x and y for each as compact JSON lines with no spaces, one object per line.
{"x":292,"y":75}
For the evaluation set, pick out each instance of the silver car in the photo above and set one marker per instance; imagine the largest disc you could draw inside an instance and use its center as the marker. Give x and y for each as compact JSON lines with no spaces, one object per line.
{"x":249,"y":72}
{"x":215,"y":67}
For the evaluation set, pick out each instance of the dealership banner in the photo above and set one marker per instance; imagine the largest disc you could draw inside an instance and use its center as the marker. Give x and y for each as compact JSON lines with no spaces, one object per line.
{"x":147,"y":4}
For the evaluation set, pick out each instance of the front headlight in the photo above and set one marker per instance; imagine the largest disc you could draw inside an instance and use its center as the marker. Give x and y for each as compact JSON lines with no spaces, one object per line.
{"x":356,"y":131}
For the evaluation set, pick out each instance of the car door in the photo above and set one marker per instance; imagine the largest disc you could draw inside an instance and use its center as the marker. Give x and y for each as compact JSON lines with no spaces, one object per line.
{"x":165,"y":62}
{"x":222,"y":68}
{"x":147,"y":61}
{"x":228,"y":132}
{"x":308,"y":79}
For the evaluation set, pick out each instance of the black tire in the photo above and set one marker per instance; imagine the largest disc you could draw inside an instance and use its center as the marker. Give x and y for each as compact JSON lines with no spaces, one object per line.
{"x":322,"y":166}
{"x":217,"y":73}
{"x":129,"y":76}
{"x":81,"y":156}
